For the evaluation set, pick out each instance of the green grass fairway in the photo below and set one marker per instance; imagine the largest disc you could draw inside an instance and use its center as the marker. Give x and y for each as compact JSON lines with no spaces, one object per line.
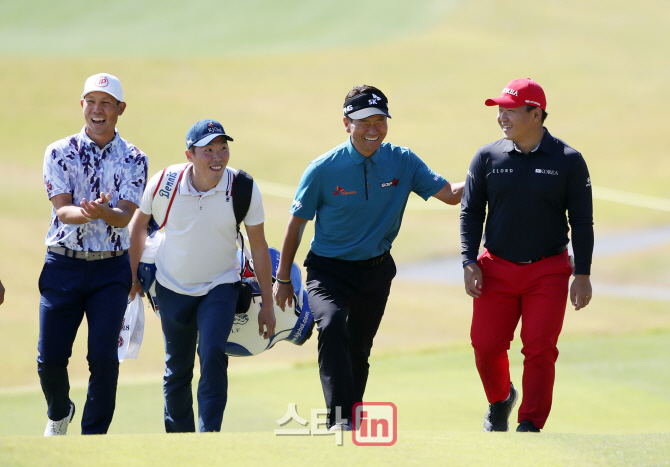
{"x":275,"y":74}
{"x":605,"y":385}
{"x":608,"y":384}
{"x":420,"y":448}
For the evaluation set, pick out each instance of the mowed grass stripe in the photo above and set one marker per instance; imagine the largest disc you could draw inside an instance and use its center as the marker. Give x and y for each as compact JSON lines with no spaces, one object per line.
{"x":423,"y":448}
{"x":205,"y":29}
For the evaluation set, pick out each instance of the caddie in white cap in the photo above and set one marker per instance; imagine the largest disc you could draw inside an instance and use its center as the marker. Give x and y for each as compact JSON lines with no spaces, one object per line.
{"x":94,"y":180}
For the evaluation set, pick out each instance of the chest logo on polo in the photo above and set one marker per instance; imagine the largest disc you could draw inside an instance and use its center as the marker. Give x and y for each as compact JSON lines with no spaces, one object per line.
{"x":546,"y":171}
{"x":340,"y":191}
{"x":394,"y":182}
{"x":502,"y":171}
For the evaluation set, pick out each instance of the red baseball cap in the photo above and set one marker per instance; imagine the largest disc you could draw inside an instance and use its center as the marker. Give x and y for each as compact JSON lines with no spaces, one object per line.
{"x":519,"y":92}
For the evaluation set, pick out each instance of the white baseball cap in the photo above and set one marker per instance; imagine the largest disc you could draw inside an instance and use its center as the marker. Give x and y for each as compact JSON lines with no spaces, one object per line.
{"x":104,"y":82}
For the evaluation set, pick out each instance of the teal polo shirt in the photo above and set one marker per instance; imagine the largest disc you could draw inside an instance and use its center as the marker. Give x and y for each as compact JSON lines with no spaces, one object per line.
{"x":359,"y":201}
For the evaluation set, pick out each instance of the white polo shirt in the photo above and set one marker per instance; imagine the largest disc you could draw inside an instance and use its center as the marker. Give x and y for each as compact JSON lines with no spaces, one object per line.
{"x":199,"y":251}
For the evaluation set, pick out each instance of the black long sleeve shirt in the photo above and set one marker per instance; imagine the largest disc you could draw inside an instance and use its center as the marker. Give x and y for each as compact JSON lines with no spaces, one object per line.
{"x":527,"y":198}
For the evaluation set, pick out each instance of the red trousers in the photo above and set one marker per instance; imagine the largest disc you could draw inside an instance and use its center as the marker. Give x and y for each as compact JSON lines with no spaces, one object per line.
{"x":537,"y":294}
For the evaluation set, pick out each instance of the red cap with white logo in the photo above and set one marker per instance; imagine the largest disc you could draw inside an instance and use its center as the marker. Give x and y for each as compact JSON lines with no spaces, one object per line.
{"x":519,"y":92}
{"x":104,"y":82}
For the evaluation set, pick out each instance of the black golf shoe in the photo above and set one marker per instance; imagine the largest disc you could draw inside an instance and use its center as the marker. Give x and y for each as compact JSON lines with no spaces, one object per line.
{"x":497,"y":417}
{"x":526,"y":426}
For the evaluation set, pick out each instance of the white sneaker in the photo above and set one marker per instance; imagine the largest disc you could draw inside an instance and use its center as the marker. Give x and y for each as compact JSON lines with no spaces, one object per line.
{"x":340,"y":426}
{"x":59,"y":427}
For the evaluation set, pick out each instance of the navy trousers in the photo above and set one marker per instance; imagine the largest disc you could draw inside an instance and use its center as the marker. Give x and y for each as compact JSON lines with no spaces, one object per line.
{"x":71,"y":288}
{"x":348,"y":301}
{"x":182,"y":317}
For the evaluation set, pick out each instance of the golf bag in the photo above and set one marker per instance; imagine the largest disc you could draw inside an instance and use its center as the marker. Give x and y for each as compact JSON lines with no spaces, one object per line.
{"x":294,"y":325}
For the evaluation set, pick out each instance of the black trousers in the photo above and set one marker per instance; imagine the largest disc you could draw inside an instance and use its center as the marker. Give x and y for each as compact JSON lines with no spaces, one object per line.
{"x":348,"y":300}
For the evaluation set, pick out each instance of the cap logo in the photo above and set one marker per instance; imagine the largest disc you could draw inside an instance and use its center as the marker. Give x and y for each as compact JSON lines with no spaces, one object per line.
{"x":355,"y":107}
{"x":537,"y":104}
{"x":102,"y":82}
{"x":375,"y":99}
{"x":511,"y":91}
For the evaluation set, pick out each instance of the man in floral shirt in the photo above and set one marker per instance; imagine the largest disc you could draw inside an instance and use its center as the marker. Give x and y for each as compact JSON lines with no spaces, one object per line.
{"x":94,"y":180}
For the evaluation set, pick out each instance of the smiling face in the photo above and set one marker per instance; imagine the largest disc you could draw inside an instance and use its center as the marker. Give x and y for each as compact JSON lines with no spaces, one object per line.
{"x":520,"y":125}
{"x":209,"y":163}
{"x":367,"y":134}
{"x":101,"y":112}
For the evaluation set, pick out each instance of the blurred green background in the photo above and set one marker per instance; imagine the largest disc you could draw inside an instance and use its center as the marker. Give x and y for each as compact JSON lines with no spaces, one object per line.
{"x":275,"y":74}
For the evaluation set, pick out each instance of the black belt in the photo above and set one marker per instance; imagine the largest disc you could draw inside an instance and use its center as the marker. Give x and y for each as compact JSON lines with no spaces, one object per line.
{"x":87,"y":255}
{"x":365,"y":263}
{"x":561,"y":250}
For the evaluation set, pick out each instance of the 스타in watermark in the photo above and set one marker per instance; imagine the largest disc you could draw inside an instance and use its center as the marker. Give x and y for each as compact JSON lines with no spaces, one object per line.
{"x":372,"y":424}
{"x":375,"y":424}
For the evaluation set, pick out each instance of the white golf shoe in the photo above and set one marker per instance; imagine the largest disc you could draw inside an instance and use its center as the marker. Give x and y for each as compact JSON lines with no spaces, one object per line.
{"x":340,"y":427}
{"x":59,"y":427}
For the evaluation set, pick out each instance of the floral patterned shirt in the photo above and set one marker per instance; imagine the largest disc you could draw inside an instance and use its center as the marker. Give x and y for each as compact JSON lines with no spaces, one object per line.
{"x":76,"y":165}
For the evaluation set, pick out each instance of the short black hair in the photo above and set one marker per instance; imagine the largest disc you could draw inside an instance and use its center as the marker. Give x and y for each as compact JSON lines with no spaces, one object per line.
{"x":544,"y":114}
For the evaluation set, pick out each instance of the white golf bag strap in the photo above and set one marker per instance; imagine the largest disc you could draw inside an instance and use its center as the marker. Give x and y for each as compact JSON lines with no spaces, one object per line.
{"x":165,"y":190}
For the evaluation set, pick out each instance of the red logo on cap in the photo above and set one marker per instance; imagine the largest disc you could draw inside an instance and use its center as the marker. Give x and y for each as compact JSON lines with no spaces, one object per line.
{"x":102,"y":82}
{"x":210,"y":124}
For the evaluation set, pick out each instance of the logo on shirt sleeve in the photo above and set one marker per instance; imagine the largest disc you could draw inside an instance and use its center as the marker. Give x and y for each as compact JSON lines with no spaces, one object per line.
{"x":296,"y":205}
{"x":588,"y":181}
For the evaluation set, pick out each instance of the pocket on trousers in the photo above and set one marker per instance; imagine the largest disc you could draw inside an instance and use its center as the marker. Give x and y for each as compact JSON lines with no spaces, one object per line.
{"x":394,"y":269}
{"x":39,"y":281}
{"x":52,"y":274}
